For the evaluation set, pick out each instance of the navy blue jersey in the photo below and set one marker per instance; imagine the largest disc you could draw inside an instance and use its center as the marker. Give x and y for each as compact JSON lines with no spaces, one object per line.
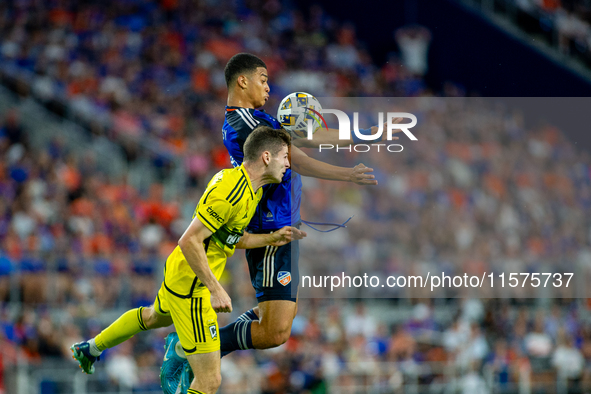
{"x":280,"y":205}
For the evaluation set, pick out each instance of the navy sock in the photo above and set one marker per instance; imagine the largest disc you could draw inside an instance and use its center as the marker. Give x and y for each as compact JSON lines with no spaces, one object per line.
{"x":236,"y":335}
{"x":248,"y":315}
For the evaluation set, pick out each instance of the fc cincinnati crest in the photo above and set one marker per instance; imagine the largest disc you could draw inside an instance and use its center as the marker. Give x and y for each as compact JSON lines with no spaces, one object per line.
{"x":284,"y":277}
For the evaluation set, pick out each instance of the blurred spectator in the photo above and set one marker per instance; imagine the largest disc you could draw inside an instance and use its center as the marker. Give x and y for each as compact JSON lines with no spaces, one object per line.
{"x":567,"y":359}
{"x":122,"y":368}
{"x":360,"y":323}
{"x":414,"y":45}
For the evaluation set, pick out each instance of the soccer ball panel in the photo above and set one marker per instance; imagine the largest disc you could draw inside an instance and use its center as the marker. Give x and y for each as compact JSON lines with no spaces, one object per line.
{"x":295,"y":110}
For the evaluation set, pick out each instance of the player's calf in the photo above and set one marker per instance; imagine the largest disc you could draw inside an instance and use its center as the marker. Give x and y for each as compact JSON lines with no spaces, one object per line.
{"x":122,"y":329}
{"x":207,"y":371}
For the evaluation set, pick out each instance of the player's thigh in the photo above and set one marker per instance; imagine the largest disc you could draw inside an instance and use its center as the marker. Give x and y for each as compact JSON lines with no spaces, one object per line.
{"x":277,"y":315}
{"x":196,"y":324}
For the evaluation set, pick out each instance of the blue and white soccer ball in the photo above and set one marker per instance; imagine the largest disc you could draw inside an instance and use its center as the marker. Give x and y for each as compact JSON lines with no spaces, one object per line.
{"x":295,"y":110}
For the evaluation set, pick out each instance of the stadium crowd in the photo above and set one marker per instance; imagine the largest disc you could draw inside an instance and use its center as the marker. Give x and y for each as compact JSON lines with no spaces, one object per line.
{"x":565,"y":24}
{"x":76,"y":246}
{"x":150,"y":68}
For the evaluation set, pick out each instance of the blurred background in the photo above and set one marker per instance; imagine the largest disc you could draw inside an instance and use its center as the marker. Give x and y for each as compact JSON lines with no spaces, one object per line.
{"x":110,"y":120}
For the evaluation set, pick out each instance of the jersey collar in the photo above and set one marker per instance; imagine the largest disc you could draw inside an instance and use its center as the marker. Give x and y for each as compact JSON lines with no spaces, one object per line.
{"x":230,"y":108}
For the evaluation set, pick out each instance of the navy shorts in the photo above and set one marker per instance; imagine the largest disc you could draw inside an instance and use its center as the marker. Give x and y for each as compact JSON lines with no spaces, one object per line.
{"x":274,"y":271}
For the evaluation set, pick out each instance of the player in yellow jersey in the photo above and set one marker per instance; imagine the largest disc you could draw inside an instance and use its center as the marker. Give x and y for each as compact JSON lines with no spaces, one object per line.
{"x":191,"y":294}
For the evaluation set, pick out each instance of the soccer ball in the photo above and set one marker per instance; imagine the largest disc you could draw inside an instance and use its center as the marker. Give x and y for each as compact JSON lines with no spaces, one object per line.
{"x":295,"y":110}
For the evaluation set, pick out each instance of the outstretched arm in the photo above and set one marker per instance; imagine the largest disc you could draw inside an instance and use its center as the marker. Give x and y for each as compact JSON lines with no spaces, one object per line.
{"x":307,"y":166}
{"x":277,"y":238}
{"x":331,"y":136}
{"x":321,"y":136}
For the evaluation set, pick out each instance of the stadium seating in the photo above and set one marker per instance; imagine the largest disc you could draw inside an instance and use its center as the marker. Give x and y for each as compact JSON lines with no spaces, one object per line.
{"x":92,"y":205}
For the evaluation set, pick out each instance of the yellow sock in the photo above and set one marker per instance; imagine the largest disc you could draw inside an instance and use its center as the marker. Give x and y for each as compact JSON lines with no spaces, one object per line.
{"x":128,"y":324}
{"x":191,"y":391}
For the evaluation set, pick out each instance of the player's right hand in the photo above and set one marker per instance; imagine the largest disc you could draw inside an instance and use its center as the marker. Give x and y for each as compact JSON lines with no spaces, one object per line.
{"x":287,"y":234}
{"x":359,"y":175}
{"x":220,"y":301}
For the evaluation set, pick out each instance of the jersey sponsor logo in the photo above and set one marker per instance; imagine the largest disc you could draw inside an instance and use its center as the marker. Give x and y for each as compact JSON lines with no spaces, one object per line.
{"x":284,"y":277}
{"x":215,"y":215}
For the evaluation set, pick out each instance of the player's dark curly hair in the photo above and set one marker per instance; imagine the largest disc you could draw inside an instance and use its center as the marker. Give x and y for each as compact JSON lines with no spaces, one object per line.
{"x":265,"y":138}
{"x":240,"y":64}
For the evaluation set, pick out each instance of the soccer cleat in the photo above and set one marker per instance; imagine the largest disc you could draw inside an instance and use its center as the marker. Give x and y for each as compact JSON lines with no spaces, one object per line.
{"x":186,"y":378}
{"x":170,"y":372}
{"x":82,"y":355}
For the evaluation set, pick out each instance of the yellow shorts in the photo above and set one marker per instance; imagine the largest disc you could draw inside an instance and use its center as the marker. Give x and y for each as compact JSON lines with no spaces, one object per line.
{"x":195,"y":321}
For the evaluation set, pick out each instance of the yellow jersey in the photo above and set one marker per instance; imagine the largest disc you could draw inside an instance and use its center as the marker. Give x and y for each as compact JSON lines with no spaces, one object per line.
{"x":226,"y":207}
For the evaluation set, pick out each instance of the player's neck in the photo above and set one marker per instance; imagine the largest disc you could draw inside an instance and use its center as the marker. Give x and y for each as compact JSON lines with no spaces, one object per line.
{"x":239,"y":100}
{"x":257,"y":176}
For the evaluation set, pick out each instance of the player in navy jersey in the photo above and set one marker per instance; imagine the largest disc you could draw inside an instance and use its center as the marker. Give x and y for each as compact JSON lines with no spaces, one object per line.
{"x":273,"y":270}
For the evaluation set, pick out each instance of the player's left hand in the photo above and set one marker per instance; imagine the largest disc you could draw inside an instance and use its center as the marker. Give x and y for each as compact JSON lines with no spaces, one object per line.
{"x":359,"y":175}
{"x":285,"y":235}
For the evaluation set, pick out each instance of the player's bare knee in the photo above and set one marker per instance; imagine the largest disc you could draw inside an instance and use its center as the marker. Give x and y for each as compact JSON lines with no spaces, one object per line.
{"x":279,"y":337}
{"x":278,"y":340}
{"x":152,"y":320}
{"x":208,"y":384}
{"x":216,"y":381}
{"x":277,"y":334}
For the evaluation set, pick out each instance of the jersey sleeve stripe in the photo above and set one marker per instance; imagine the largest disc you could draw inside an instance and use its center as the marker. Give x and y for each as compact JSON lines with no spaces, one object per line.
{"x":248,"y":114}
{"x":241,"y":194}
{"x":249,"y":187}
{"x":208,"y":223}
{"x":249,"y":122}
{"x":242,"y":186}
{"x":243,"y":178}
{"x":237,"y":198}
{"x":205,"y":199}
